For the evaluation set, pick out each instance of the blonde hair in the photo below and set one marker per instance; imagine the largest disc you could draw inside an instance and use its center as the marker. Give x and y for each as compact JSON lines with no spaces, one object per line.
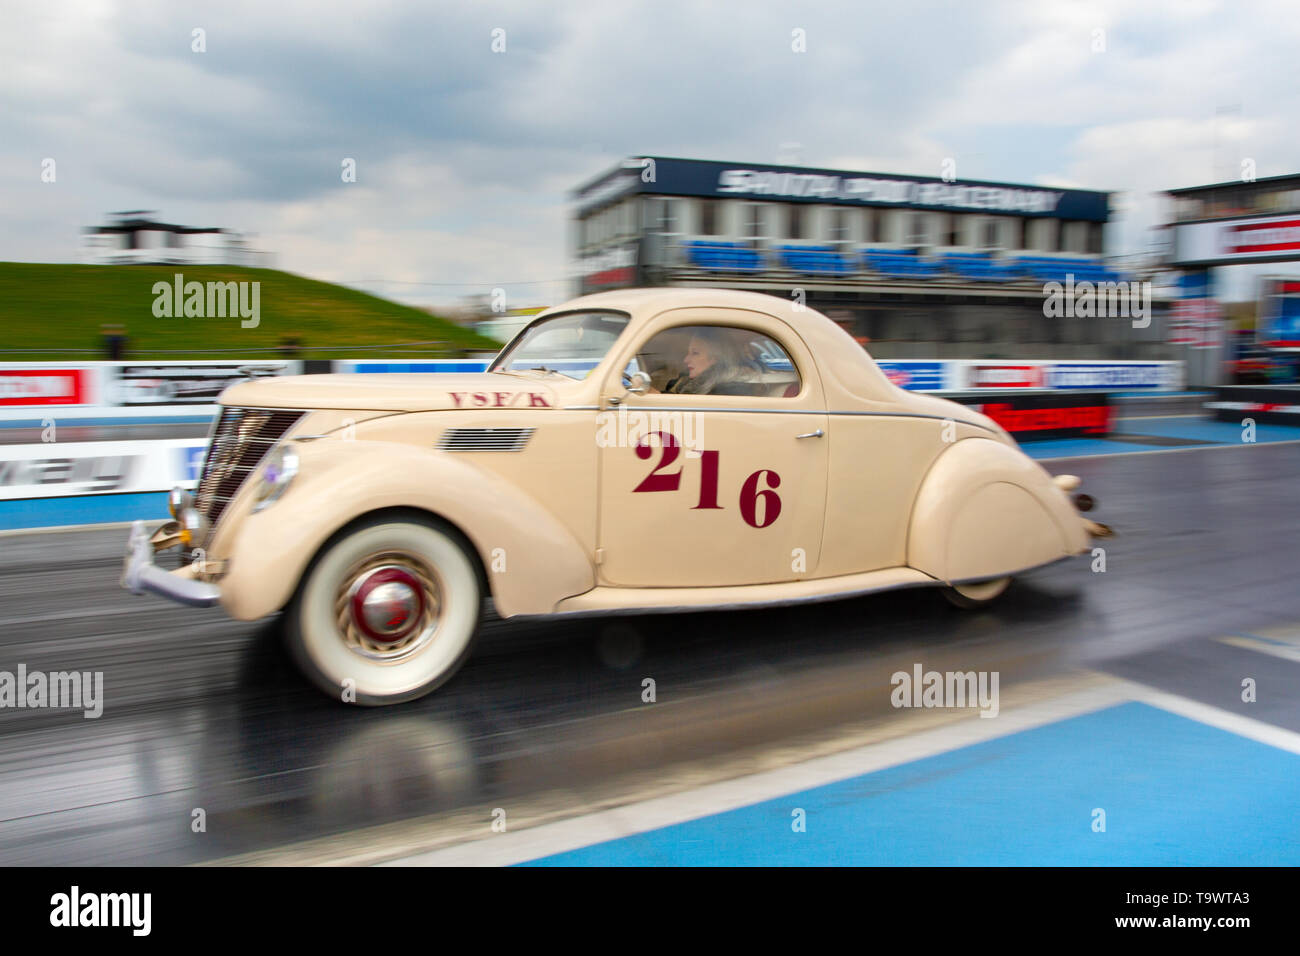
{"x":726,"y":348}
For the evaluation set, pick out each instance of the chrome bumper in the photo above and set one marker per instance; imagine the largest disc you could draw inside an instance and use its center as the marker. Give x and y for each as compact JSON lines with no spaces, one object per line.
{"x":140,"y":574}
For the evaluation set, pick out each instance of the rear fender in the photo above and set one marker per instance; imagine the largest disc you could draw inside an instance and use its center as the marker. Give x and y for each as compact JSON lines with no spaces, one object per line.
{"x":985,"y":509}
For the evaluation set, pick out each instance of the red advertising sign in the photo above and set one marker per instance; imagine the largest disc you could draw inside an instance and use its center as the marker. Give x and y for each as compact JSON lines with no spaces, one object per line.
{"x":1065,"y":421}
{"x":1197,"y":323}
{"x":42,"y":386}
{"x":1272,"y":236}
{"x":1183,"y":322}
{"x":1007,"y":376}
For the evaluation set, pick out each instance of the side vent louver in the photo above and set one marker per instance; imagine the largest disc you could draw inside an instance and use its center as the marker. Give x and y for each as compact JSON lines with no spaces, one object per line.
{"x":484,"y":439}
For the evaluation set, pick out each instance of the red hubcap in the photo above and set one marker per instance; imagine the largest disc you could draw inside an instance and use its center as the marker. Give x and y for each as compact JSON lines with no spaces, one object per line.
{"x":387,"y":604}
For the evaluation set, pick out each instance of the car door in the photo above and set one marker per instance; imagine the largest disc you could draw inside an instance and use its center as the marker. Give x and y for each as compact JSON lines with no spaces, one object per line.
{"x":718,"y":487}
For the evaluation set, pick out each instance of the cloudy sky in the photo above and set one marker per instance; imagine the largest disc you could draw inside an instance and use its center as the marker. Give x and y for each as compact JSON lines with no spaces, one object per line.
{"x":465,"y":155}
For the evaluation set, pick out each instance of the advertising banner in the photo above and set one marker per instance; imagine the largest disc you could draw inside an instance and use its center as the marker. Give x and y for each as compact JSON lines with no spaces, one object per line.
{"x":1134,"y":375}
{"x":1266,"y":239}
{"x":53,"y":469}
{"x":915,"y":376}
{"x":1266,"y":404}
{"x":44,"y":386}
{"x":1038,"y":416}
{"x":1041,"y":374}
{"x":1278,"y":319}
{"x":187,"y":383}
{"x":1017,"y":375}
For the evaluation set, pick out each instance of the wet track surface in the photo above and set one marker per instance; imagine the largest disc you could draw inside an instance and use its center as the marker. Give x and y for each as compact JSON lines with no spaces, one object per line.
{"x":203,"y":712}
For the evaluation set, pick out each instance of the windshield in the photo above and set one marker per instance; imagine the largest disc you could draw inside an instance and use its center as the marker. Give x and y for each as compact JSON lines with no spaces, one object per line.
{"x":571,"y":344}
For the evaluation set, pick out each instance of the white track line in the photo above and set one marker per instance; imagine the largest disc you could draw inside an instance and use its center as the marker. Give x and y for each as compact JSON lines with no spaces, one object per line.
{"x":1257,"y":730}
{"x":1287,"y":652}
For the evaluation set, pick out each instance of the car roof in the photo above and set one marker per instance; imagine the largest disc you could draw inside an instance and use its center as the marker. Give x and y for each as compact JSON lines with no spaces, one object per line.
{"x":839,"y":356}
{"x":659,"y":298}
{"x":645,"y":303}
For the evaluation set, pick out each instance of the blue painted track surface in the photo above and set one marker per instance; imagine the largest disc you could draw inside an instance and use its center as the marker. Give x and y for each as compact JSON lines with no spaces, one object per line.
{"x":1200,"y":431}
{"x":82,"y":509}
{"x":1175,"y":793}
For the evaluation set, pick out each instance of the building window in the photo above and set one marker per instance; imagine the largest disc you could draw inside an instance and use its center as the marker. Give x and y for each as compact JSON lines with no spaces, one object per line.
{"x":989,"y":236}
{"x":1095,"y":230}
{"x":708,"y":217}
{"x":839,"y":226}
{"x":954,"y":230}
{"x":1062,"y":227}
{"x":917,"y":234}
{"x":875,"y":225}
{"x":755,"y":221}
{"x":796,"y":222}
{"x":666,"y":219}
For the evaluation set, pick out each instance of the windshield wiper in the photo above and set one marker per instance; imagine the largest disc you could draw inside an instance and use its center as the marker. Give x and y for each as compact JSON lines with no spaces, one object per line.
{"x":548,"y":371}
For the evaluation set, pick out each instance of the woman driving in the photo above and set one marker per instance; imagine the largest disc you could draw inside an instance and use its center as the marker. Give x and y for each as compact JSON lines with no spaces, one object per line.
{"x":716,"y":363}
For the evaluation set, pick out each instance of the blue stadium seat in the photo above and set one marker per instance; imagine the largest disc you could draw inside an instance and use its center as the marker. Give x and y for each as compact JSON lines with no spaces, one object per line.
{"x":722,"y":256}
{"x":904,"y":264}
{"x":981,"y":267}
{"x":816,"y":260}
{"x":1059,"y":269}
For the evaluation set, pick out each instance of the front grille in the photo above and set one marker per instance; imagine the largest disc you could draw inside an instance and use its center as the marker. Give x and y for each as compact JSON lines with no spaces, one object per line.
{"x":240,"y":441}
{"x":485,"y":439}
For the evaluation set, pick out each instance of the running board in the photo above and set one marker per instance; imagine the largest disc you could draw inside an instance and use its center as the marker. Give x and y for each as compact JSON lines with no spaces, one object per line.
{"x":612,"y":600}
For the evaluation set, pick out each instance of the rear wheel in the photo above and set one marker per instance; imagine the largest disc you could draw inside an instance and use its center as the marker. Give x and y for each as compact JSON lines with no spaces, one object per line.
{"x":978,"y":593}
{"x":386,"y":613}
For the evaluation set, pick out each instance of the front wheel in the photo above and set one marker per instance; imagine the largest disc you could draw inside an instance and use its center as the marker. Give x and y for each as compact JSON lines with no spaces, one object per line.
{"x":977,"y":594}
{"x":386,"y":613}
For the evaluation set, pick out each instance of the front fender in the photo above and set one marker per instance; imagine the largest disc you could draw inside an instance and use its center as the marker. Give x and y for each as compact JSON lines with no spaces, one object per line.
{"x":986,"y":509}
{"x":532,"y":560}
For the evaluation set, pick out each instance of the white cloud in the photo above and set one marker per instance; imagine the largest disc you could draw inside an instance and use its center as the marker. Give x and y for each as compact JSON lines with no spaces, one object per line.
{"x":465,"y":156}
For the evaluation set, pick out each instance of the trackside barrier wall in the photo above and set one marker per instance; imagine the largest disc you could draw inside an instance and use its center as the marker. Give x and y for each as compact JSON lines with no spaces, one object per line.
{"x":46,"y":396}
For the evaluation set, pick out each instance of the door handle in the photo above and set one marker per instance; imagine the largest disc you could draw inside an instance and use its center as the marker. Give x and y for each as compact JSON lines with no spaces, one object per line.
{"x":817,"y":434}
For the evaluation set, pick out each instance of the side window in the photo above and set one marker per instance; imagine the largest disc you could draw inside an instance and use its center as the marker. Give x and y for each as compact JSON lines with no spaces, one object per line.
{"x":717,"y":360}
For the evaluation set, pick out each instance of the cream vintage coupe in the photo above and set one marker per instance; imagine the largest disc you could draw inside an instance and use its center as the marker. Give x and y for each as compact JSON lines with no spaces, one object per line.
{"x":643,"y":450}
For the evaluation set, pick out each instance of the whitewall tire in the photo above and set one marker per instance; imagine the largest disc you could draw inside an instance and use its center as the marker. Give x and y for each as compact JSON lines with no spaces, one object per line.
{"x":387,"y":612}
{"x":978,"y":593}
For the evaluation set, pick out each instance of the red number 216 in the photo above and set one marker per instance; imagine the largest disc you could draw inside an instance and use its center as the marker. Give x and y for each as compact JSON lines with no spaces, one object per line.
{"x":750,"y":493}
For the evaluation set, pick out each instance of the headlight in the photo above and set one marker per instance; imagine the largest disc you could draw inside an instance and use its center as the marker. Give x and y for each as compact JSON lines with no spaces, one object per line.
{"x":277,"y":474}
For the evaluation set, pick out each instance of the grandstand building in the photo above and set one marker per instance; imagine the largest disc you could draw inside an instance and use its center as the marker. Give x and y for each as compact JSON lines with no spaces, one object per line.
{"x":914,"y":266}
